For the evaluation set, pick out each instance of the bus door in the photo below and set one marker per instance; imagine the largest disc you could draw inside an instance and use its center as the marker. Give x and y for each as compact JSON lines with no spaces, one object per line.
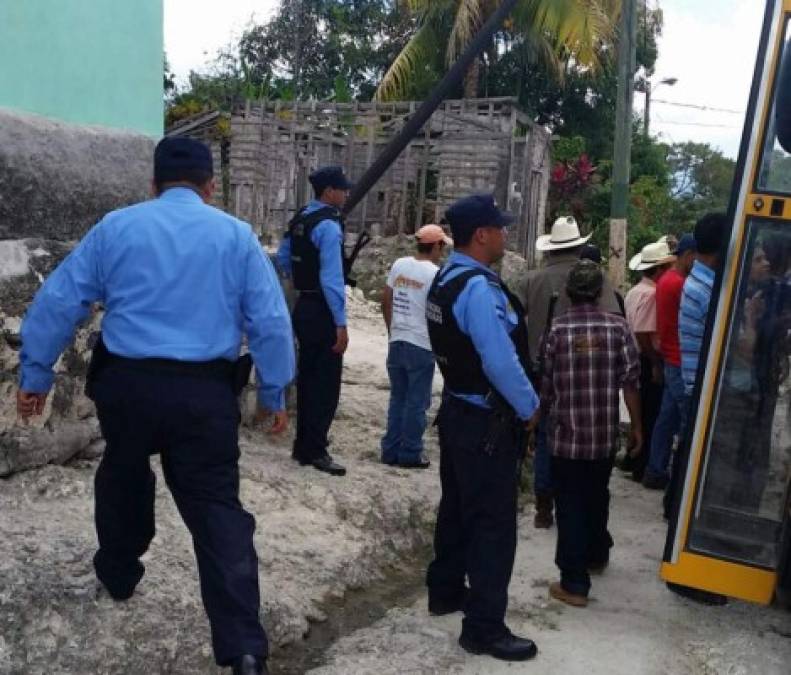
{"x":729,"y":529}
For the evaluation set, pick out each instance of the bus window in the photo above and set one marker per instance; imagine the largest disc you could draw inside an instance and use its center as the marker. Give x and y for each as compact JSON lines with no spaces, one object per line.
{"x":775,"y":173}
{"x":739,"y":512}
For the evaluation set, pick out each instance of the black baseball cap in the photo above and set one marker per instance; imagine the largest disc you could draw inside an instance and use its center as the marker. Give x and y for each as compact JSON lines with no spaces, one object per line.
{"x":685,"y":243}
{"x":470,"y":213}
{"x":329,"y":177}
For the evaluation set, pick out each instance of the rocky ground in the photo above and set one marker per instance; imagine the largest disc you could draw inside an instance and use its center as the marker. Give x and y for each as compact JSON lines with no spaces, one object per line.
{"x":632,"y":626}
{"x":341,"y":561}
{"x":318,"y":537}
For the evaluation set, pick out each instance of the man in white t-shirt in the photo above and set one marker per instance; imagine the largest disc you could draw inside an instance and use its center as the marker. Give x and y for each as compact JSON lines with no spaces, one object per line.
{"x":410,"y":362}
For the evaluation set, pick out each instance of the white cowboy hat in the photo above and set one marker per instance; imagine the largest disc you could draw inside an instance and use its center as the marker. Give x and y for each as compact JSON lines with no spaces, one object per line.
{"x":565,"y":234}
{"x":651,"y":256}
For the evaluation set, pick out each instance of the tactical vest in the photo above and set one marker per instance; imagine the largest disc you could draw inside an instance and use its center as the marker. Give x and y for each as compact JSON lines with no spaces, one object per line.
{"x":458,"y":360}
{"x":305,"y":257}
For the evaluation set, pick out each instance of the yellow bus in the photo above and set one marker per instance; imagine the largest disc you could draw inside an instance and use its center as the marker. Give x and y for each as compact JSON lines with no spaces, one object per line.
{"x":730,"y":528}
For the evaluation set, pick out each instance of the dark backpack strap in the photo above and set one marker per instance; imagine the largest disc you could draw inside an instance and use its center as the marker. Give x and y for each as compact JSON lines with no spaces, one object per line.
{"x":460,"y":280}
{"x":311,"y":219}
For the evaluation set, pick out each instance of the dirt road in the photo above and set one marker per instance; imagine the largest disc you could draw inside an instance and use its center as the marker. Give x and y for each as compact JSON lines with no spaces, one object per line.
{"x":324,"y":543}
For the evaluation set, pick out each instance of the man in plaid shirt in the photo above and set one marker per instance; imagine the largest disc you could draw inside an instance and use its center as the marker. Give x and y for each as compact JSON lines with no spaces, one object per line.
{"x":589,"y":356}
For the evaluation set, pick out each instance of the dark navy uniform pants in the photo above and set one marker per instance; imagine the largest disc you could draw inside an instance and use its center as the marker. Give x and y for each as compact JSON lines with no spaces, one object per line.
{"x":475,"y":534}
{"x":318,"y":376}
{"x":192,"y":422}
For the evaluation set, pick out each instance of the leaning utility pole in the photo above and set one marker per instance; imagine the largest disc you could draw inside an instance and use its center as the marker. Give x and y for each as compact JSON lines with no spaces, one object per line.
{"x":627,"y":42}
{"x":417,"y":119}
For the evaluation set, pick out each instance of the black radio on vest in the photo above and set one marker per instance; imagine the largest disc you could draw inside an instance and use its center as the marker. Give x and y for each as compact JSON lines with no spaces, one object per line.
{"x":457,"y":358}
{"x":305,"y":263}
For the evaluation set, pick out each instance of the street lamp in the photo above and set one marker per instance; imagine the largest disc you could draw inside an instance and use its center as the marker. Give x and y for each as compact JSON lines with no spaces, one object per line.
{"x":645,"y":86}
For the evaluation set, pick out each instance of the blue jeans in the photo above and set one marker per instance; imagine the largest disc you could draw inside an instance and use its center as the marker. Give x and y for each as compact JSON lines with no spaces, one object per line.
{"x":669,"y":422}
{"x":411,"y":370}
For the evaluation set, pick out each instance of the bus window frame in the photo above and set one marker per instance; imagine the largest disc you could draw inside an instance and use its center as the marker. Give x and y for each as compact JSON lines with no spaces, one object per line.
{"x":785,"y":43}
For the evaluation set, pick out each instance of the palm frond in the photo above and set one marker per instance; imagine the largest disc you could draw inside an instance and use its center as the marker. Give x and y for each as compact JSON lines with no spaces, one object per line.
{"x":468,"y":20}
{"x":414,"y":55}
{"x":576,"y":27}
{"x":537,"y":49}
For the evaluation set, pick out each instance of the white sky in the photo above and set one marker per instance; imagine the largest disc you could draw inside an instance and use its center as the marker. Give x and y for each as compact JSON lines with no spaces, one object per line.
{"x":196,"y":29}
{"x":709,"y":45}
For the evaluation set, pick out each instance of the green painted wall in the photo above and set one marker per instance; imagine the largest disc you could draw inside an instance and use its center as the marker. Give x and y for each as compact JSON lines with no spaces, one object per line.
{"x":84,"y":61}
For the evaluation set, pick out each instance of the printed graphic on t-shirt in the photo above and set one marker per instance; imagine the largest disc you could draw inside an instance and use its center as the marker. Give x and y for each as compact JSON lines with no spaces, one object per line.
{"x":410,"y":280}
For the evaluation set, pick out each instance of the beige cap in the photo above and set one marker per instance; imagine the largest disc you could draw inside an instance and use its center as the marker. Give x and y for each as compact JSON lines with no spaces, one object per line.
{"x":431,"y":234}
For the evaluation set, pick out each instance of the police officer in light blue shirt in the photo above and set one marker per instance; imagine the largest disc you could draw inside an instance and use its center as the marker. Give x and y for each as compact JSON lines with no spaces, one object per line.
{"x":312,"y":255}
{"x":180,"y":282}
{"x":480,"y":343}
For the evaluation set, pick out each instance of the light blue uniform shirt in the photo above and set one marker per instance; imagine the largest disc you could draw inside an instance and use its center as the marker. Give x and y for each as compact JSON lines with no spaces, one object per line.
{"x":328,"y":238}
{"x":178,"y":280}
{"x":483,"y":313}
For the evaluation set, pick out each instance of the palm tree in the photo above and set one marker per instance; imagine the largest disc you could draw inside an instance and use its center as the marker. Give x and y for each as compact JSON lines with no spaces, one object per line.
{"x":555,"y":31}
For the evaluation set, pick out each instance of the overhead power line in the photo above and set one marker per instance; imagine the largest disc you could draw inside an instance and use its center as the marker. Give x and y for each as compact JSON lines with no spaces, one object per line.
{"x":694,"y":106}
{"x":698,"y":124}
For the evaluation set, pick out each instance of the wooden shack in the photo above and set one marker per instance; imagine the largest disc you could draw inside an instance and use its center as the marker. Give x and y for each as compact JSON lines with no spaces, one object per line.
{"x":267,"y":149}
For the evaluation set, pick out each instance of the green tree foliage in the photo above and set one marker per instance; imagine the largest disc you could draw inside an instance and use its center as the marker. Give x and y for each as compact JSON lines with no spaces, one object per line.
{"x":326,"y":48}
{"x":577,"y":101}
{"x":701,"y":181}
{"x":551,"y":32}
{"x":168,"y":80}
{"x":672,"y":187}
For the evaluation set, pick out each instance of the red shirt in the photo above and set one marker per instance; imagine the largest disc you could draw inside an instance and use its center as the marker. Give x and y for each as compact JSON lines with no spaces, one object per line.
{"x":668,"y":302}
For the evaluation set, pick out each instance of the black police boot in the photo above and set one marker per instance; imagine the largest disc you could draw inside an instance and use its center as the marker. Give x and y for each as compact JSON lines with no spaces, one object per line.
{"x":327,"y":465}
{"x":249,"y":665}
{"x":507,"y":648}
{"x":120,"y":580}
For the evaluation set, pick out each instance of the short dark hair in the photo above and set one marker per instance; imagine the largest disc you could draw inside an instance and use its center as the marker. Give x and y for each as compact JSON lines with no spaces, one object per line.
{"x":583,"y":298}
{"x":565,"y":251}
{"x":651,"y":272}
{"x":462,"y":236}
{"x":709,"y":233}
{"x":591,"y":252}
{"x":426,"y":248}
{"x":193,"y":176}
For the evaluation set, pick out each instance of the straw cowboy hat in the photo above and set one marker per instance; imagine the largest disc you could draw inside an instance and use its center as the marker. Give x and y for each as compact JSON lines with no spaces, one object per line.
{"x":565,"y":234}
{"x":652,"y":255}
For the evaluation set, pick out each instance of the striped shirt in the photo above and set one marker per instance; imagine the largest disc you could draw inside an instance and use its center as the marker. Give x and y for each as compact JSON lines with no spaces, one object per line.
{"x":590,"y":355}
{"x":695,"y":300}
